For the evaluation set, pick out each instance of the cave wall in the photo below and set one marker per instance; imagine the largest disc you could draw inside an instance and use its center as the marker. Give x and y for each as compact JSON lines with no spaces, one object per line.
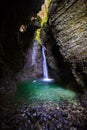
{"x":13,"y":15}
{"x":33,"y":67}
{"x":14,"y":45}
{"x":68,"y":24}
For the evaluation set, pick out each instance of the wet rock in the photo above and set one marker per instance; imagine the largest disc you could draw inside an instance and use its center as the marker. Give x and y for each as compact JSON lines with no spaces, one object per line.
{"x":73,"y":128}
{"x":3,"y":125}
{"x":32,"y":119}
{"x":75,"y":124}
{"x":49,"y":117}
{"x":45,"y":117}
{"x":51,"y":126}
{"x":28,"y":114}
{"x":64,"y":113}
{"x":34,"y":115}
{"x":67,"y":24}
{"x":59,"y":126}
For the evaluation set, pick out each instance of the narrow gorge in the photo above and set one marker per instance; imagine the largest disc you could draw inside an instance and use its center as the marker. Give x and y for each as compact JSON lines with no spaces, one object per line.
{"x":43,"y":65}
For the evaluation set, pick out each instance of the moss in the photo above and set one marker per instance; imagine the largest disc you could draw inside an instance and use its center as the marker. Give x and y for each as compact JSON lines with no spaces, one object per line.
{"x":43,"y":14}
{"x":38,"y":39}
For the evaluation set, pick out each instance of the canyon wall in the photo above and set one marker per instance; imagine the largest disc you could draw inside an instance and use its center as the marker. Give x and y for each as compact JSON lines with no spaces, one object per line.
{"x":15,"y":45}
{"x":68,"y":25}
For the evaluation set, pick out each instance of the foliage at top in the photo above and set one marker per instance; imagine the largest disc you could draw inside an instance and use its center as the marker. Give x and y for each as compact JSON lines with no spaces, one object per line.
{"x":43,"y":14}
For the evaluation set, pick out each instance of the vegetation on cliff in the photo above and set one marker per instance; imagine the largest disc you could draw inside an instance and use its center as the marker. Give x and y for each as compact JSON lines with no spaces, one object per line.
{"x":43,"y":14}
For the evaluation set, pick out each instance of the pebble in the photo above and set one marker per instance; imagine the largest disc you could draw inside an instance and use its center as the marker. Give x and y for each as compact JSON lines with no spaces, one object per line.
{"x":73,"y":128}
{"x":45,"y":117}
{"x":59,"y":125}
{"x":64,"y":113}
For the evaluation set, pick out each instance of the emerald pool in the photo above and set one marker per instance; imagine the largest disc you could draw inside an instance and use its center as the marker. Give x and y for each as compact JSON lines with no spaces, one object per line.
{"x":39,"y":90}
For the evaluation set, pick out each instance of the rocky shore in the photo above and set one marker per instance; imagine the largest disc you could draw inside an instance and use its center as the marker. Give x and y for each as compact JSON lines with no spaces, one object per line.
{"x":45,"y":115}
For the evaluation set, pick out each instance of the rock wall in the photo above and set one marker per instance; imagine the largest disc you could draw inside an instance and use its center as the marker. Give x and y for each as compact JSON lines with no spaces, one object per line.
{"x":68,"y":24}
{"x":32,"y":68}
{"x":13,"y":15}
{"x":14,"y":45}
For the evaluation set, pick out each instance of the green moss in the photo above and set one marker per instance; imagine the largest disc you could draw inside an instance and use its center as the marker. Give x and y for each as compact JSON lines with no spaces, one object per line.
{"x":44,"y":20}
{"x":38,"y":39}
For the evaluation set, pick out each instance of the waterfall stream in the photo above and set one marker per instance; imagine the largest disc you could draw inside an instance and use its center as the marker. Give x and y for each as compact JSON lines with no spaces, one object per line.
{"x":34,"y":52}
{"x":45,"y":69}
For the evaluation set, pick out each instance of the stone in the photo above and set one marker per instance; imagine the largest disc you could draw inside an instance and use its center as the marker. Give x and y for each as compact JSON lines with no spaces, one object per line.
{"x":32,"y":119}
{"x":64,"y":113}
{"x":67,"y":24}
{"x":73,"y":128}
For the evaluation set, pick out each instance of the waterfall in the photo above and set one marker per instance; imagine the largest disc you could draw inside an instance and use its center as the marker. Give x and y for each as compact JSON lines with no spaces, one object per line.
{"x":34,"y":52}
{"x":45,"y":70}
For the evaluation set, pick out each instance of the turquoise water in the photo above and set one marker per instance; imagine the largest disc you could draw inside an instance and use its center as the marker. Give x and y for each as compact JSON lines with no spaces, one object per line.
{"x":42,"y":91}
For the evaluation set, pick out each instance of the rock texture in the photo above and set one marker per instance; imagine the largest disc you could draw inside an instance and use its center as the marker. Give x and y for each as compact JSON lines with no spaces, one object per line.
{"x":45,"y":116}
{"x":68,"y":24}
{"x":32,"y":68}
{"x":13,"y":43}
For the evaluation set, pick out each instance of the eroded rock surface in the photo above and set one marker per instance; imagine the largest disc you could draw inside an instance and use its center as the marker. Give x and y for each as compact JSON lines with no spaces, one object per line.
{"x":15,"y":44}
{"x":68,"y":23}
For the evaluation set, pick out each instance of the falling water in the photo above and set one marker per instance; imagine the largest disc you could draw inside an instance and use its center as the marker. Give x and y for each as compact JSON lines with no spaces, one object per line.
{"x":45,"y":70}
{"x":34,"y":52}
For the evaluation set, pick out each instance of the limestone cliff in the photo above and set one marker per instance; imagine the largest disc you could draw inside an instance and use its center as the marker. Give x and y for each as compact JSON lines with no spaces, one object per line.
{"x":68,"y":24}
